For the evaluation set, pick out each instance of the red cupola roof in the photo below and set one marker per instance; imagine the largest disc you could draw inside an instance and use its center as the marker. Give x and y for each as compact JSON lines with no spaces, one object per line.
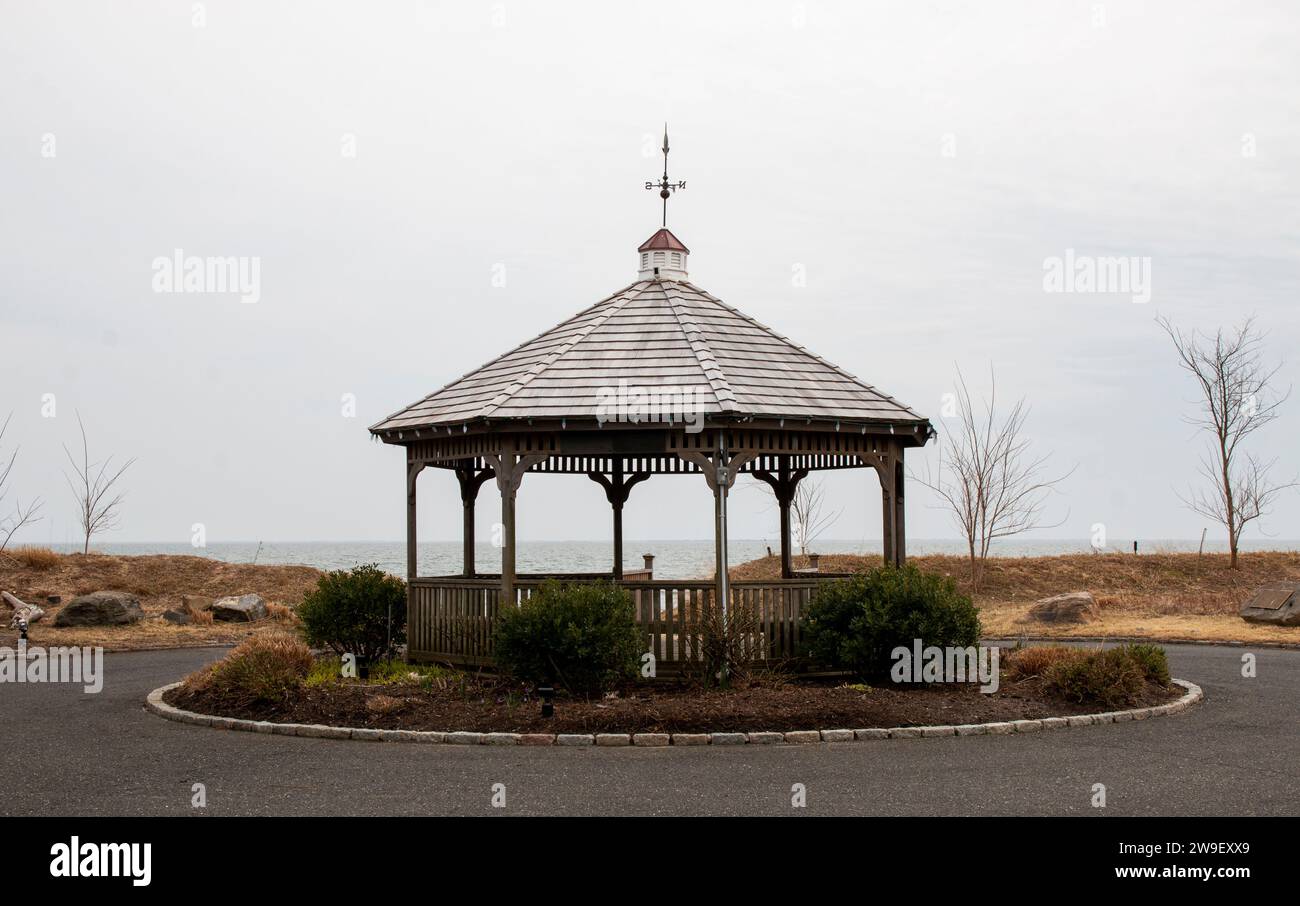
{"x":663,"y":240}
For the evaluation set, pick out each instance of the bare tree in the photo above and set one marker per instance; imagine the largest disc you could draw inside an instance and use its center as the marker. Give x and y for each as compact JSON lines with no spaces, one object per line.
{"x":998,"y":489}
{"x":97,"y":503}
{"x":10,"y":525}
{"x":1236,"y":400}
{"x":808,"y":512}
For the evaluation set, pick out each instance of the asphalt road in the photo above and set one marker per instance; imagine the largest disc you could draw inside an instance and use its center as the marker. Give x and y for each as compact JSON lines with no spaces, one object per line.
{"x":1237,"y":753}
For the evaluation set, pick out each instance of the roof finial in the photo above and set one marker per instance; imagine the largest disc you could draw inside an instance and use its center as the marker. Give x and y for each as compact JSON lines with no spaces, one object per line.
{"x":665,"y":187}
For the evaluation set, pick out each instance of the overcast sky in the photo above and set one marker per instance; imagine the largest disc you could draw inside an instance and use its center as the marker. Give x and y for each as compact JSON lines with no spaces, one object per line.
{"x":918,"y":163}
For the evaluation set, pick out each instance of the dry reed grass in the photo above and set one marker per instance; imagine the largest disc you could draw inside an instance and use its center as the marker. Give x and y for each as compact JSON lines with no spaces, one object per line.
{"x":1149,"y":595}
{"x":34,"y":558}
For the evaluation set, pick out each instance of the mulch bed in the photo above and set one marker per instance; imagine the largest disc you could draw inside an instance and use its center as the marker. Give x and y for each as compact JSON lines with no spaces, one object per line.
{"x":484,"y":704}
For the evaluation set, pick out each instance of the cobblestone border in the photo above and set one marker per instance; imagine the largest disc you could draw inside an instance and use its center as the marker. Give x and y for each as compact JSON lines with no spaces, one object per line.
{"x":156,"y":704}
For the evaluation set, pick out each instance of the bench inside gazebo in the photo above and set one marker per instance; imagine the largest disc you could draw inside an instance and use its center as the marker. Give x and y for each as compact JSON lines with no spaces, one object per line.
{"x":660,"y":381}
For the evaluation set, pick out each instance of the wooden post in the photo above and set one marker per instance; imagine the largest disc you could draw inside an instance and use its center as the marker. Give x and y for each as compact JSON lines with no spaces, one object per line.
{"x":617,"y":505}
{"x":470,"y":481}
{"x":508,"y":546}
{"x":888,"y":510}
{"x":509,"y":469}
{"x":784,"y":485}
{"x":900,"y":534}
{"x":467,"y":536}
{"x":617,"y":488}
{"x":783,"y":501}
{"x":413,"y":470}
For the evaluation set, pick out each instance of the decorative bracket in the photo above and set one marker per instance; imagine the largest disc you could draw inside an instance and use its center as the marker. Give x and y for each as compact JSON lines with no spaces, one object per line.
{"x":617,"y":490}
{"x":471,"y":480}
{"x":510,"y":471}
{"x":716,"y":474}
{"x":783,"y":488}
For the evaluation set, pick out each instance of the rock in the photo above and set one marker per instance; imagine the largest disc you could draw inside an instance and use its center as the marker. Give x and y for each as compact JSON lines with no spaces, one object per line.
{"x":1072,"y":607}
{"x":196,"y":603}
{"x":242,"y":609}
{"x":101,"y":608}
{"x":837,"y":736}
{"x":1277,"y":603}
{"x":803,"y":737}
{"x":179,"y":617}
{"x":53,"y":599}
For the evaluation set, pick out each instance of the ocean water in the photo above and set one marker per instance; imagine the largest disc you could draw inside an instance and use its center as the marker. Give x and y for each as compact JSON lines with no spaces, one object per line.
{"x":673,"y":559}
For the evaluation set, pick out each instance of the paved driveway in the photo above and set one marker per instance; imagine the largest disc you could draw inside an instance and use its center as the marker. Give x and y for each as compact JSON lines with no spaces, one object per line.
{"x":1237,"y":753}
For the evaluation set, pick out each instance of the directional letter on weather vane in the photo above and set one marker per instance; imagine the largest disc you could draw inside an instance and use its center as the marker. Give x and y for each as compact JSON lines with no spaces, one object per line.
{"x":665,"y":187}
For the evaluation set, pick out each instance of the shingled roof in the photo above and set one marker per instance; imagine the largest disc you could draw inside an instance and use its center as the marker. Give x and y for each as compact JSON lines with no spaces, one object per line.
{"x":652,"y":334}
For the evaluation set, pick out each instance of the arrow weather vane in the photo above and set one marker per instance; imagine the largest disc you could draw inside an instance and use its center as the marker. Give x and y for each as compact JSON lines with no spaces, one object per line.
{"x":665,"y":187}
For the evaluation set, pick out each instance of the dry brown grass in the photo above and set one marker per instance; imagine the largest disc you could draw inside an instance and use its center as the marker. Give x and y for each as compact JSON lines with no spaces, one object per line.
{"x":1036,"y":660}
{"x":261,"y":667}
{"x":160,"y":581}
{"x":35,"y":558}
{"x":281,"y":613}
{"x":384,"y":704}
{"x":1155,"y":595}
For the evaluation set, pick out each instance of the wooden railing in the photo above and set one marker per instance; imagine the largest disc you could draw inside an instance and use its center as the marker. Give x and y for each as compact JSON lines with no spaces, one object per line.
{"x":450,"y":618}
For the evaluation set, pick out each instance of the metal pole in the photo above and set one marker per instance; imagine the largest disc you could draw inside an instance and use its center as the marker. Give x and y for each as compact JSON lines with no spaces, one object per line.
{"x":723,"y":477}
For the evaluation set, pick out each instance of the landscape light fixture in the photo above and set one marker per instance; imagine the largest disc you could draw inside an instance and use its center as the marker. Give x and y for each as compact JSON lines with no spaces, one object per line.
{"x":547,"y":693}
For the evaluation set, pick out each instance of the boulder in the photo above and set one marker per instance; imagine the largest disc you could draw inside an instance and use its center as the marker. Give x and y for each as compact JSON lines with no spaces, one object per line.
{"x":1071,"y":607}
{"x":241,"y":609}
{"x":1277,"y":603}
{"x":196,"y":603}
{"x":179,"y":617}
{"x":101,"y":608}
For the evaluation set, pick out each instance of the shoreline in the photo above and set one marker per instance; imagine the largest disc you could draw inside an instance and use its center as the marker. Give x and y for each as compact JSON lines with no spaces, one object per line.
{"x":1169,"y":596}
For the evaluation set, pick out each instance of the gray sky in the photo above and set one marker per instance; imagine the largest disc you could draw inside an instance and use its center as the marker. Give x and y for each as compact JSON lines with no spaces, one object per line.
{"x":918,"y":162}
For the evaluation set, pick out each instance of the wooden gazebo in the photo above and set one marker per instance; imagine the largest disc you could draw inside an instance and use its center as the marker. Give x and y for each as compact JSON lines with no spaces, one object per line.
{"x":659,"y":379}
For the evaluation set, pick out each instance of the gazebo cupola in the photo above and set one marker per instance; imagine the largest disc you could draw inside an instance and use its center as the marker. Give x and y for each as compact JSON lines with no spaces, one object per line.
{"x":663,"y":257}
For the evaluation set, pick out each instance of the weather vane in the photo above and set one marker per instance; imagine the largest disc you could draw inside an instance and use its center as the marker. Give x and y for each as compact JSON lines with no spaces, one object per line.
{"x":665,"y":187}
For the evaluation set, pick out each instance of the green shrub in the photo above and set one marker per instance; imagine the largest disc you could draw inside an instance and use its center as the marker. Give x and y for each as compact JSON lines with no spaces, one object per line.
{"x":348,"y":612}
{"x":1112,"y":678}
{"x":263,"y":668}
{"x":389,"y":672}
{"x":855,"y":623}
{"x":1152,"y":660}
{"x":581,"y":636}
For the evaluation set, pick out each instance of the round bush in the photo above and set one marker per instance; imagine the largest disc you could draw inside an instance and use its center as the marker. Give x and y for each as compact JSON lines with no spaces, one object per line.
{"x":1112,"y":678}
{"x":348,"y":612}
{"x":263,"y":668}
{"x":581,"y":636}
{"x":854,"y":624}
